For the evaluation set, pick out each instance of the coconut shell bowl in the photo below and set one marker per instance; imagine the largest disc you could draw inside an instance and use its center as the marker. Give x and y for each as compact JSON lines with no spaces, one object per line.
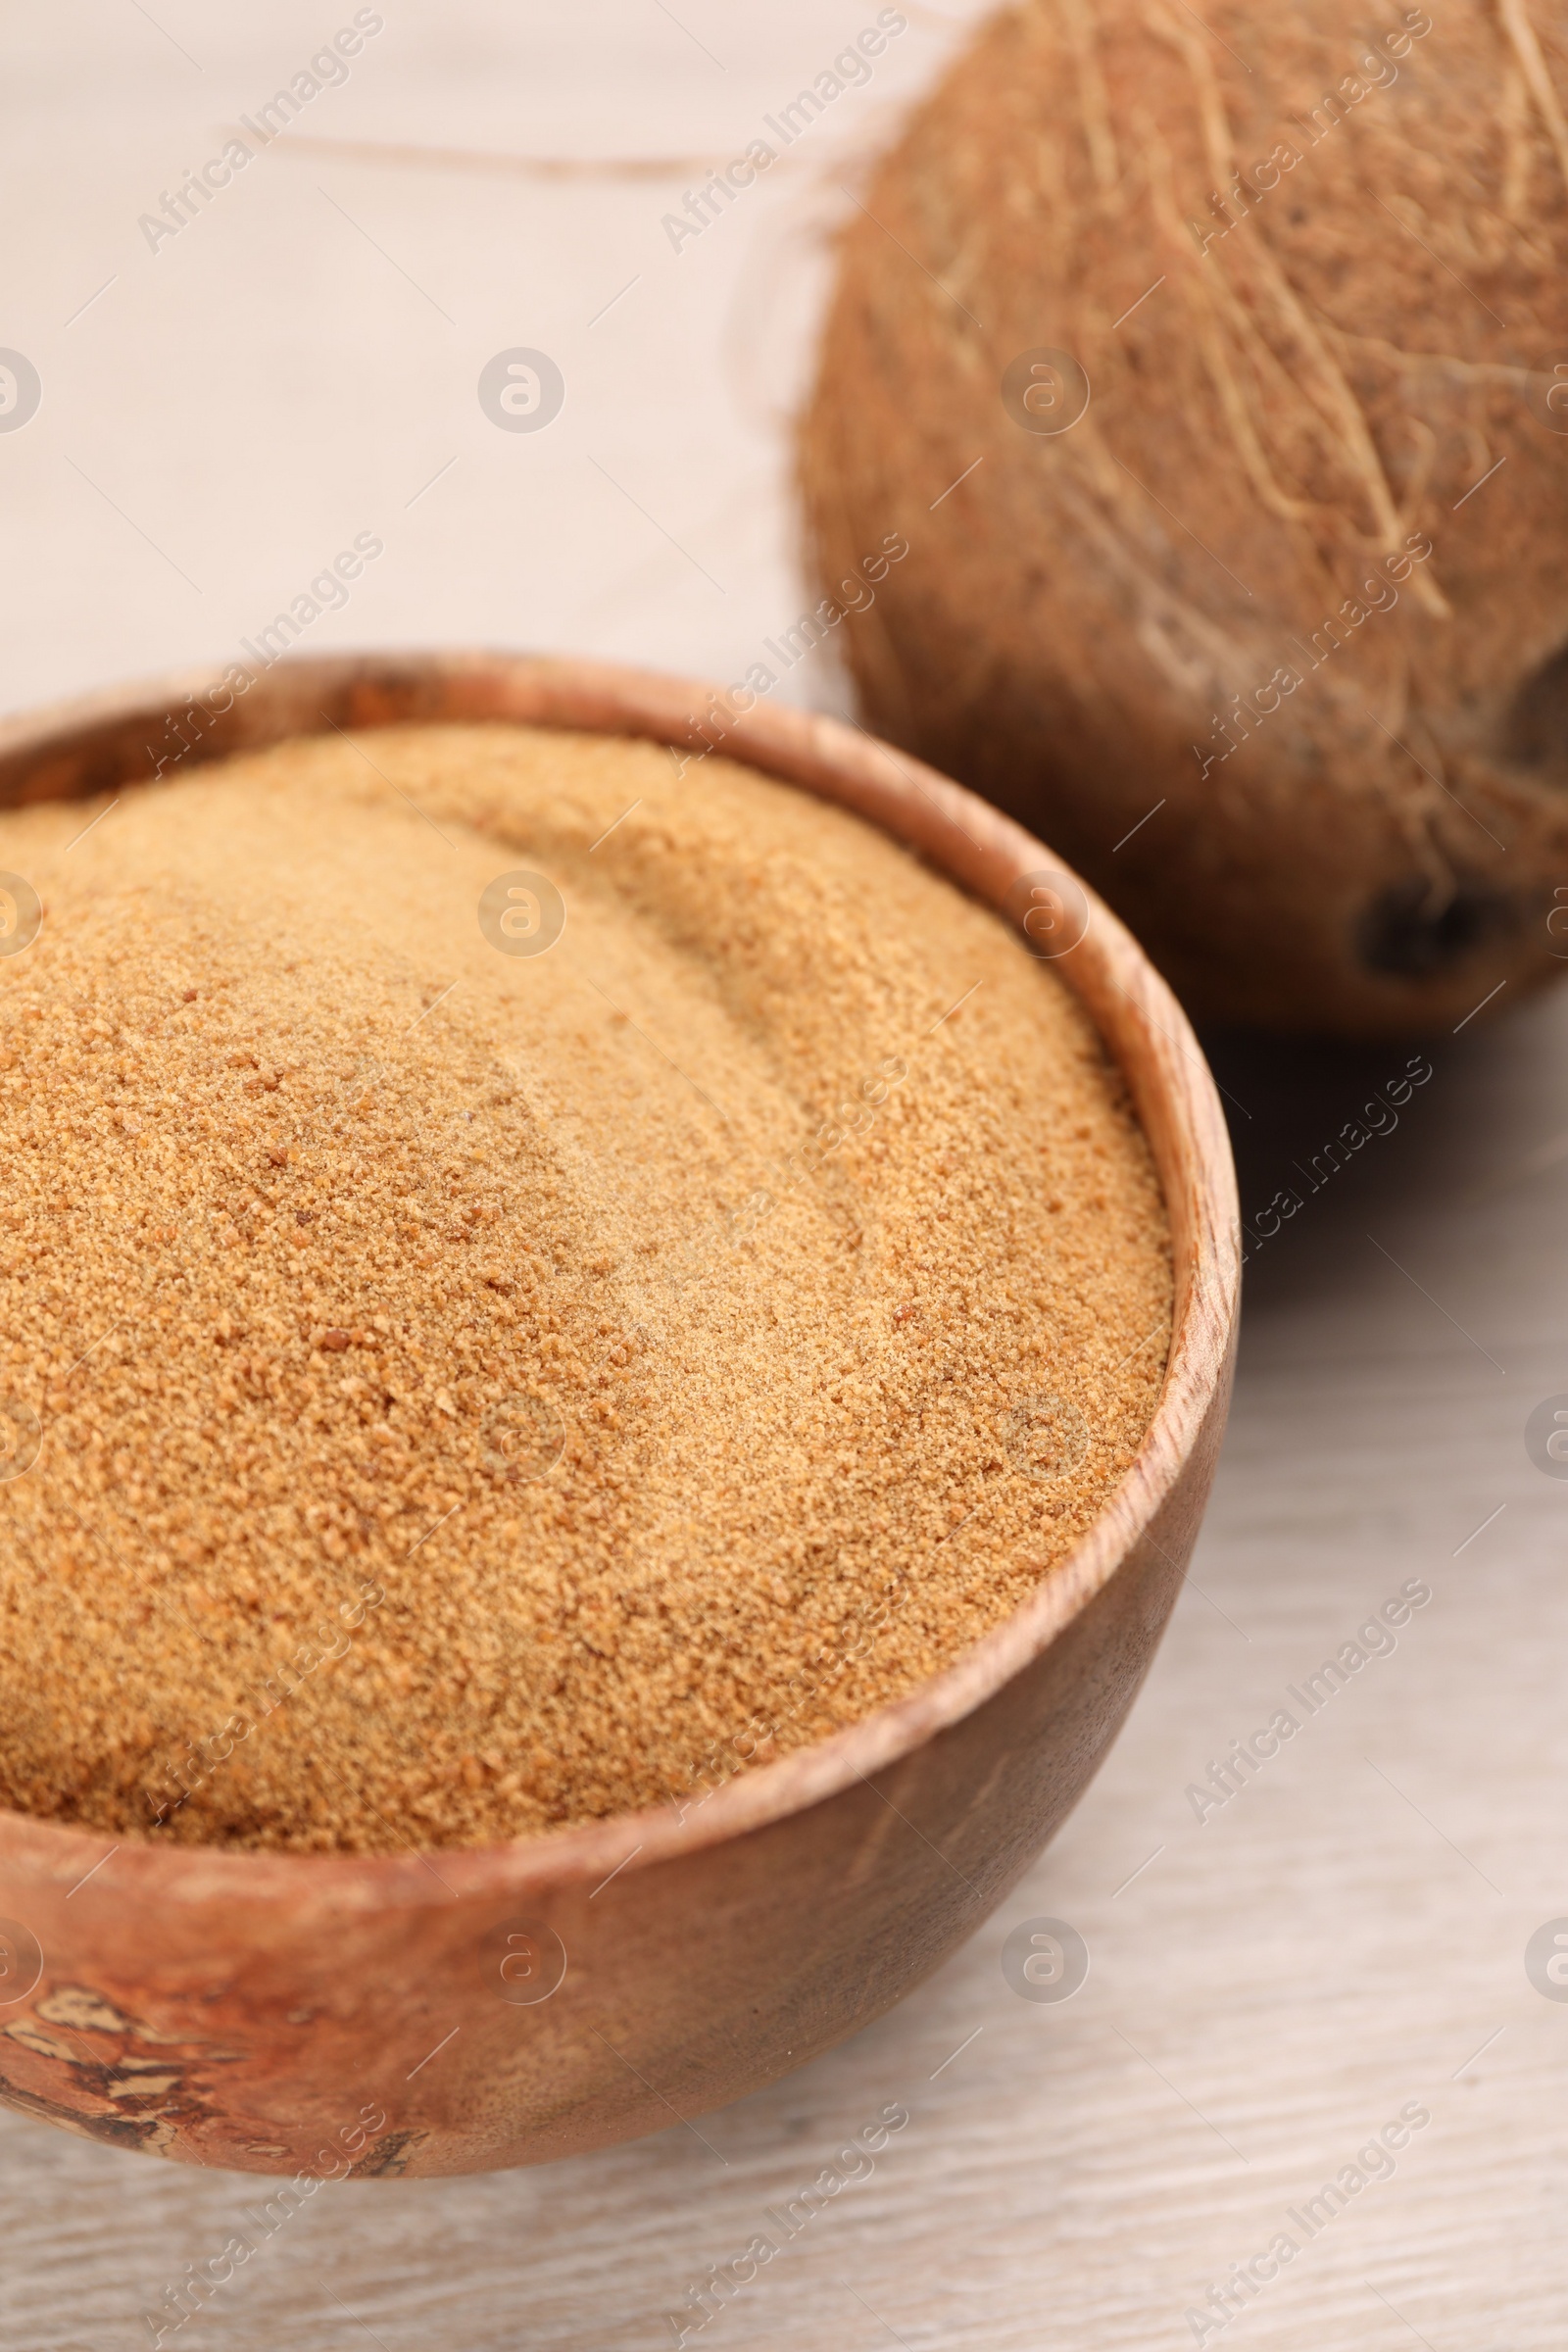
{"x":280,"y":2013}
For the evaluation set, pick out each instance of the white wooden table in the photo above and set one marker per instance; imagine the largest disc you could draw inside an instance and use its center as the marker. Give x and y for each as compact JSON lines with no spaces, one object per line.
{"x":1270,"y":1987}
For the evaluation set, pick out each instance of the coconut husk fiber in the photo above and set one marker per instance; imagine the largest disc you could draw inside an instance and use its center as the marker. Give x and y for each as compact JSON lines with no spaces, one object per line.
{"x":1290,"y":595}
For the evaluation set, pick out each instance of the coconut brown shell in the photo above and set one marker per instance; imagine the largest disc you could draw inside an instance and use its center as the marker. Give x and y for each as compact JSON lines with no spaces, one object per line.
{"x":1180,"y":586}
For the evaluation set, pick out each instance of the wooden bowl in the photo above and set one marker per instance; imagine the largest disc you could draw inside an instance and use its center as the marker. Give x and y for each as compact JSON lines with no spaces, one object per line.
{"x":452,"y":2012}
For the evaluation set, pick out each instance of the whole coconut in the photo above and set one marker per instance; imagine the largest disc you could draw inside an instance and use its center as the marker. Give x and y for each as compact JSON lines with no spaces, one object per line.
{"x":1215,"y":368}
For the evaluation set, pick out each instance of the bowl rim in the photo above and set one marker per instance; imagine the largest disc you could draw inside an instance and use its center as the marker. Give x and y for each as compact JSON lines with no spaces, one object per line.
{"x":981,"y":851}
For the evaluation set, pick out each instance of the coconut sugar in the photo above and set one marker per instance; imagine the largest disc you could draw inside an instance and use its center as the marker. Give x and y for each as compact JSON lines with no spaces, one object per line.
{"x":481,"y":1379}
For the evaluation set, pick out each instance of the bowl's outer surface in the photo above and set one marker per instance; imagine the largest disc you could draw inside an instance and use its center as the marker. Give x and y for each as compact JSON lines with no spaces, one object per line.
{"x":313,"y":2015}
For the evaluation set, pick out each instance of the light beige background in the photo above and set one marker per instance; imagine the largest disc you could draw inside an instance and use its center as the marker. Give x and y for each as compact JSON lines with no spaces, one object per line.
{"x":1274,"y":1985}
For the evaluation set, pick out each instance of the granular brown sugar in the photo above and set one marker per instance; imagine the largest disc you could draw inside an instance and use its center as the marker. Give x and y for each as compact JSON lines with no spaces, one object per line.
{"x":488,"y":1379}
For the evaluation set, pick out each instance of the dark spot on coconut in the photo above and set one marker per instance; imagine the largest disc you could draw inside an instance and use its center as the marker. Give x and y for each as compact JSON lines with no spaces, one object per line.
{"x":1269,"y":906}
{"x":1536,"y":734}
{"x":1411,"y":933}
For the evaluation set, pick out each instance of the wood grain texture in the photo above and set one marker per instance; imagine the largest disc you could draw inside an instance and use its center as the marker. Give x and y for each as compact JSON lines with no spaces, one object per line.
{"x":254,"y":2011}
{"x":1270,"y":1989}
{"x":1315,"y":1953}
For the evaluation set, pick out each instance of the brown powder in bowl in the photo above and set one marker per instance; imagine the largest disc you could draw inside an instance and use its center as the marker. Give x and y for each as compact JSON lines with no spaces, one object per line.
{"x":485,"y":1388}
